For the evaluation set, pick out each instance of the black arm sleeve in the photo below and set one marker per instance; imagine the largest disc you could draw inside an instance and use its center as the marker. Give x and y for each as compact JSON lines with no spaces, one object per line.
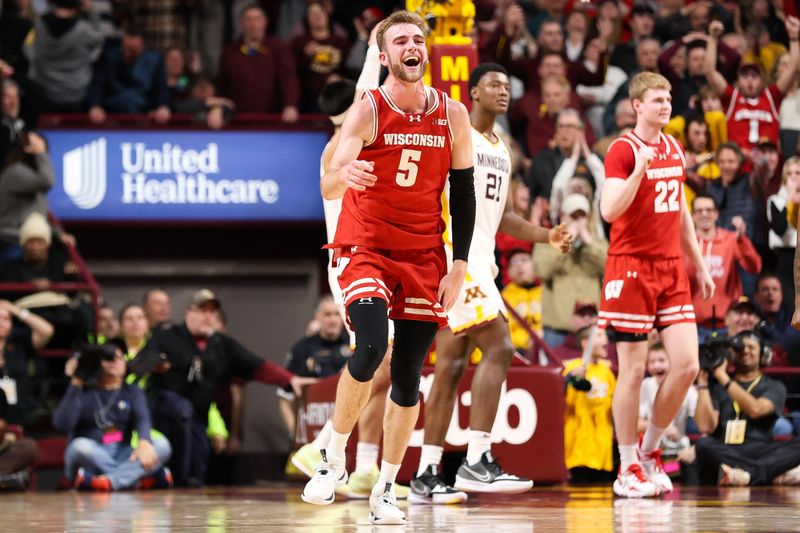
{"x":462,"y":210}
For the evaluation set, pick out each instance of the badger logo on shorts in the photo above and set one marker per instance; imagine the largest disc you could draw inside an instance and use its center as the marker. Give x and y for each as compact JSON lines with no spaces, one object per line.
{"x":472,"y":293}
{"x":613,"y":289}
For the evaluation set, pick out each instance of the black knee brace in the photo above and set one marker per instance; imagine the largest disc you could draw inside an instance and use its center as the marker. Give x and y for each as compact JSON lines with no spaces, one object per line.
{"x":371,"y":325}
{"x":412,"y":340}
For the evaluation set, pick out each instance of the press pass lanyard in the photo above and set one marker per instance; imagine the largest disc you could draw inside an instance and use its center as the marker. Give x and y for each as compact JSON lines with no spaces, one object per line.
{"x":736,"y":408}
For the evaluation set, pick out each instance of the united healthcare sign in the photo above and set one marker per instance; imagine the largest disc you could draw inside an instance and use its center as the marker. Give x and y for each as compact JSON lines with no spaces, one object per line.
{"x":173,"y":175}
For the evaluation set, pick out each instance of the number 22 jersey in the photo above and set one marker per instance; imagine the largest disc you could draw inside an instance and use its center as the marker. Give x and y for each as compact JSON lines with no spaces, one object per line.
{"x":411,"y":152}
{"x":651,"y":225}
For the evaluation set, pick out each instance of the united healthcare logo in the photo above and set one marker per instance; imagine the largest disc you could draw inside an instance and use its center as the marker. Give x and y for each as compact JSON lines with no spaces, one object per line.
{"x":84,"y":174}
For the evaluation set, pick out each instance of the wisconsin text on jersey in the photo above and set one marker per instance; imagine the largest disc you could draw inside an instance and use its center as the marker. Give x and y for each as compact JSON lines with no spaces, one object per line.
{"x":414,"y":139}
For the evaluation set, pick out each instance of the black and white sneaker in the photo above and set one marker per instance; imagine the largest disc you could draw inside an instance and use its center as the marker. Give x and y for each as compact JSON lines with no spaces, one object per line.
{"x":488,"y":476}
{"x":429,"y":488}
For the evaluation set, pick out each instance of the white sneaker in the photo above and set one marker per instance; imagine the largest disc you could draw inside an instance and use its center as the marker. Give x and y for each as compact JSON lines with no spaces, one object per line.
{"x":383,"y":507}
{"x":654,"y":472}
{"x":632,"y":484}
{"x":321,"y":488}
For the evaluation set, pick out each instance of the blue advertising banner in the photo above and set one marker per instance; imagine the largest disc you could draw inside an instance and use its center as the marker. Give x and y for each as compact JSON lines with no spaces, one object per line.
{"x":179,"y":175}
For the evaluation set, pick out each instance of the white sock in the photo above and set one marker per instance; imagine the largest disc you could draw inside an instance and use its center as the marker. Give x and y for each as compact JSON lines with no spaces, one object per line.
{"x":323,"y":437}
{"x":335,"y":448}
{"x":388,"y":475}
{"x":431,"y":455}
{"x":628,"y":456}
{"x":479,"y":443}
{"x":366,"y":456}
{"x":652,"y":437}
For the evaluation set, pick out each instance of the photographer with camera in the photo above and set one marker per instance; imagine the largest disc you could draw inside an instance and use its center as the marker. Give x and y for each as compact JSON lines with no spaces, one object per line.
{"x":738,"y":413}
{"x":100,"y":412}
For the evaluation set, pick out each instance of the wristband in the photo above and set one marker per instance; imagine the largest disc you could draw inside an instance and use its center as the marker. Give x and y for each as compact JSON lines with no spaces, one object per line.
{"x":728,"y":384}
{"x":701,"y":387}
{"x":24,"y":314}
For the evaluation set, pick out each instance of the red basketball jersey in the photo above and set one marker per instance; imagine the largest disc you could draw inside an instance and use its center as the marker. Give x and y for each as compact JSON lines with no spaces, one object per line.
{"x":411,"y":152}
{"x":751,"y":118}
{"x":651,"y":226}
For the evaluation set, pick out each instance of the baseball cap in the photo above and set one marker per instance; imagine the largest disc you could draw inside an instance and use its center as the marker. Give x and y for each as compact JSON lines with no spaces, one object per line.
{"x":744,"y":66}
{"x":742,"y":304}
{"x":204,"y":296}
{"x":576,"y":202}
{"x":583,"y":307}
{"x":642,"y":9}
{"x":767,"y":141}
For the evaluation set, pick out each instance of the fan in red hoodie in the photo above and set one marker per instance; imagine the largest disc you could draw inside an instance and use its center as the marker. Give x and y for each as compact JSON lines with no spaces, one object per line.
{"x":722,"y":250}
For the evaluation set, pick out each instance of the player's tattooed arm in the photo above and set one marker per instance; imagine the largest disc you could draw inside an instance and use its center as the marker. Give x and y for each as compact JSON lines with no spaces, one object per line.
{"x":345,"y":170}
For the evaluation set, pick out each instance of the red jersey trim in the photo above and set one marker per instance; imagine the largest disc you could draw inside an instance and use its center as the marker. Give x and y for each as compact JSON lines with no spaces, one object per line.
{"x":449,"y":122}
{"x":771,"y":101}
{"x":428,"y":92}
{"x":374,"y":106}
{"x":630,"y":143}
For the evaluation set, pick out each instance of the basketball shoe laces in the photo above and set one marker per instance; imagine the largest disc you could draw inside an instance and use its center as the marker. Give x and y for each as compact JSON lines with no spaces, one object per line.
{"x":637,"y":471}
{"x":493,"y":466}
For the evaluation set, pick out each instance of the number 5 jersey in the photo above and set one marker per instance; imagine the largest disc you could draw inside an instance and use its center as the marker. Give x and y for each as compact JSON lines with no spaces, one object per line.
{"x":411,"y":153}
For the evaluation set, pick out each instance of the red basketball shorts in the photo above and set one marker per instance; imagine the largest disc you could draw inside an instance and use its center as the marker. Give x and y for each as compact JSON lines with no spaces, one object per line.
{"x":639,"y":294}
{"x":408,"y":280}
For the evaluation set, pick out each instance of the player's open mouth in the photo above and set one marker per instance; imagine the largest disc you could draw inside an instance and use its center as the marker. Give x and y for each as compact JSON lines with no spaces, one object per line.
{"x":411,"y":61}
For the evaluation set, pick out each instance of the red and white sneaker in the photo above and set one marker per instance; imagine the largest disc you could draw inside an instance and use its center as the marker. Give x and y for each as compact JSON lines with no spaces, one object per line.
{"x":654,"y":471}
{"x":632,"y":484}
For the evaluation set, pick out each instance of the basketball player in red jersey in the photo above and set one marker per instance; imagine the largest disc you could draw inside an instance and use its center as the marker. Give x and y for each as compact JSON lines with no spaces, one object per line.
{"x":752,"y":109}
{"x":396,"y":148}
{"x":645,"y":284}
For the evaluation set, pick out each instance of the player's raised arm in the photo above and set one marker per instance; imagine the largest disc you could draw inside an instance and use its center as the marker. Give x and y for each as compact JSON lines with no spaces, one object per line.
{"x":462,"y":201}
{"x":619,"y":191}
{"x":345,"y":170}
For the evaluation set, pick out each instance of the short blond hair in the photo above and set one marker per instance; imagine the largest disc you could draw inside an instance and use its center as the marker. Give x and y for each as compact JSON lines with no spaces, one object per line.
{"x":399,"y":17}
{"x":644,"y":81}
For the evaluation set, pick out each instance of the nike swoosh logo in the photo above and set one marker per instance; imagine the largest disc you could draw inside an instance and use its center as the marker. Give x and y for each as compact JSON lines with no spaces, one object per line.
{"x":480,"y":477}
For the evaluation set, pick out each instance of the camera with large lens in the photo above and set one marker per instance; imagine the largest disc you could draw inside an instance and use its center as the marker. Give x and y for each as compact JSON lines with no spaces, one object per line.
{"x":715,"y":351}
{"x":89,"y":358}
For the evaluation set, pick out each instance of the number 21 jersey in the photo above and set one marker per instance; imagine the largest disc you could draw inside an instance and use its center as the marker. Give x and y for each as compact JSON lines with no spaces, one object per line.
{"x":411,"y":152}
{"x":651,"y":225}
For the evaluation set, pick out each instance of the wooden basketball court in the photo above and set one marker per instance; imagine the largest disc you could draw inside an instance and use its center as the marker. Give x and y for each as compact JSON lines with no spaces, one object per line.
{"x":277,"y":507}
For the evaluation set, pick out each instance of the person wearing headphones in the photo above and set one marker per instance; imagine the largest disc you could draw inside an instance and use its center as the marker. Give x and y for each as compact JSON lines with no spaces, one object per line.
{"x":738,"y":412}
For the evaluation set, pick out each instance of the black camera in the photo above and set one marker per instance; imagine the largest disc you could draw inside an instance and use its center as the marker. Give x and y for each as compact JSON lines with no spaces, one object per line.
{"x":715,"y":351}
{"x":89,"y":358}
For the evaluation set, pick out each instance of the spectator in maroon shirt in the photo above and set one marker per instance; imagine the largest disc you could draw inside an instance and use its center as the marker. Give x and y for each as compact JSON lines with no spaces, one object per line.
{"x":319,"y":54}
{"x":257,"y":71}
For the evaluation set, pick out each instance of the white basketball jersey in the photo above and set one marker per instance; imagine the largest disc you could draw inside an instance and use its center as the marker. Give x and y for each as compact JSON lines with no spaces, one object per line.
{"x":492,"y":179}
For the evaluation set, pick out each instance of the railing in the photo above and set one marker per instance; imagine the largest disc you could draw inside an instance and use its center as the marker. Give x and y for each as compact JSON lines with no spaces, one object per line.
{"x":244,"y":121}
{"x":89,"y":284}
